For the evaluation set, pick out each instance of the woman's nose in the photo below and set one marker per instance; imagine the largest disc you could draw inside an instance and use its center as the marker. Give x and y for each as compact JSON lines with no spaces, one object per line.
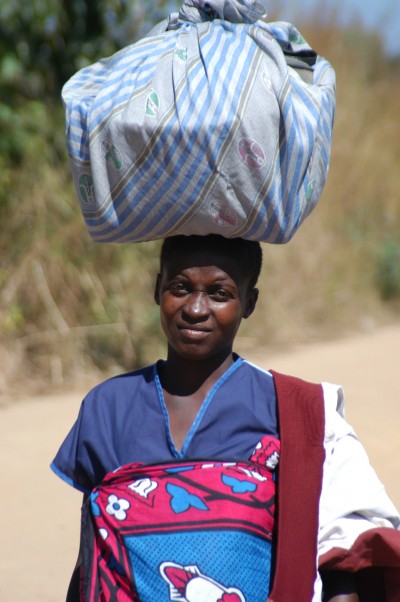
{"x":196,"y":306}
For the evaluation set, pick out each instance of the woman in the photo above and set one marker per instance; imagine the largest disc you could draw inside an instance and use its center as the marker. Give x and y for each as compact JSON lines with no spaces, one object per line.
{"x":202,"y":439}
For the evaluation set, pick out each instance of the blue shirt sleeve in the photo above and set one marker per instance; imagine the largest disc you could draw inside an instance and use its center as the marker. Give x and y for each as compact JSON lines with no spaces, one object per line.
{"x":89,"y":449}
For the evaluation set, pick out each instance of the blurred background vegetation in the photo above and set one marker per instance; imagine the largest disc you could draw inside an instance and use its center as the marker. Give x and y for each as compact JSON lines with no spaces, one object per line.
{"x":71,"y":310}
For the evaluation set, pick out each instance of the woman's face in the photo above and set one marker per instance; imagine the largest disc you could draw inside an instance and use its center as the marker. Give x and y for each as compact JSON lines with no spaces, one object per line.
{"x":202,"y":299}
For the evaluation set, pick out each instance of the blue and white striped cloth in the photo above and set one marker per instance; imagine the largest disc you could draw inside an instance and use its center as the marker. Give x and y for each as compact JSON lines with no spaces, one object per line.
{"x":205,"y":126}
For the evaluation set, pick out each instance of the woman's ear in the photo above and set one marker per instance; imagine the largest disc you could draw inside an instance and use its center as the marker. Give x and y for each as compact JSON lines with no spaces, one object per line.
{"x":157,"y":290}
{"x":252,"y":297}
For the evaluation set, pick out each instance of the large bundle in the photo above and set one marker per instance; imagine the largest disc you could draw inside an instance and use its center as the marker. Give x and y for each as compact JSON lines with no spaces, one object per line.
{"x":217,"y":122}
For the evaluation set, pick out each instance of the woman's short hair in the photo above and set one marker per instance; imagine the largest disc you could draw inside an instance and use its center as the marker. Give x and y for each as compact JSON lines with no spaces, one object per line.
{"x":246,"y":253}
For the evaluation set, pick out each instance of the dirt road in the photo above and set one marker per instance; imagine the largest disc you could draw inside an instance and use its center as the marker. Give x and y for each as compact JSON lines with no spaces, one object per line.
{"x":39,"y":517}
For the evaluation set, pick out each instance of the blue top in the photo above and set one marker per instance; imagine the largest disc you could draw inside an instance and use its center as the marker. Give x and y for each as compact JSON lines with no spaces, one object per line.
{"x":125,"y":419}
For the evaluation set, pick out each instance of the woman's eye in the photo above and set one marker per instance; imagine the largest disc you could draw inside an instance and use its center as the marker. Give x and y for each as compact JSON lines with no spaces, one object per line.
{"x":178,"y":288}
{"x":221,"y":294}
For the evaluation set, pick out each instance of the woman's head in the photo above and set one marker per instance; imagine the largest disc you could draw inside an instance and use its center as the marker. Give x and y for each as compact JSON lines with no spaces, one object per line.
{"x":205,"y":288}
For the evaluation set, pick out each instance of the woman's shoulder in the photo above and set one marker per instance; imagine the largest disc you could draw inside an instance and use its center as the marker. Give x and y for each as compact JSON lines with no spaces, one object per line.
{"x":122,"y":385}
{"x":256,"y":370}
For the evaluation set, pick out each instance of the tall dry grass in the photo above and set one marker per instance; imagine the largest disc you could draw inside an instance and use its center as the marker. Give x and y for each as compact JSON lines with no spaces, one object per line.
{"x":70,"y":309}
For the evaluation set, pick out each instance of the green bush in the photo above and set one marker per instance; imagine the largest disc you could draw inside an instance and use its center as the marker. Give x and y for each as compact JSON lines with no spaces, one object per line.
{"x":388,"y":269}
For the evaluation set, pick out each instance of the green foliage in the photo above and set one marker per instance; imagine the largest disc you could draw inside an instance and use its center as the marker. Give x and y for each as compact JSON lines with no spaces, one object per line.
{"x":43,"y":42}
{"x":388,"y":269}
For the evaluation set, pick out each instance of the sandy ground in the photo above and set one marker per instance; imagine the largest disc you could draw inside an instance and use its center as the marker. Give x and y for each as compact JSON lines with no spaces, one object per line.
{"x":39,"y":514}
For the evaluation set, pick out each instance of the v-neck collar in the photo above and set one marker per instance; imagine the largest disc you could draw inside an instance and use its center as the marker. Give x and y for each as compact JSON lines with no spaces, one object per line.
{"x":192,"y":431}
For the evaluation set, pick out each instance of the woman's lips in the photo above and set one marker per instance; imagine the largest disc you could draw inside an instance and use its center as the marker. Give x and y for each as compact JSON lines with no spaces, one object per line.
{"x":193,"y":333}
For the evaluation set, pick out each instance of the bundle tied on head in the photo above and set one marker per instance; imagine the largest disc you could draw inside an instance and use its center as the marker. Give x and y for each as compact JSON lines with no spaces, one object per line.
{"x":216,"y":122}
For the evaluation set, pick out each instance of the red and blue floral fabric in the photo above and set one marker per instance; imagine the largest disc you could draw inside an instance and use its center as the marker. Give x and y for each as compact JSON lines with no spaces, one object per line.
{"x":190,"y":531}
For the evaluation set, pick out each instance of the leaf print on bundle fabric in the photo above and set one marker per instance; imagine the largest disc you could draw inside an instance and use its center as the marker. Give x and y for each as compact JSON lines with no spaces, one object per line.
{"x":237,"y":485}
{"x":182,"y":500}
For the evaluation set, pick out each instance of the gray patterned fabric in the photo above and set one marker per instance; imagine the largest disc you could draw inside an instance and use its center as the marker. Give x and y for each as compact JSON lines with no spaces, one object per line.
{"x":235,"y":11}
{"x":217,"y":122}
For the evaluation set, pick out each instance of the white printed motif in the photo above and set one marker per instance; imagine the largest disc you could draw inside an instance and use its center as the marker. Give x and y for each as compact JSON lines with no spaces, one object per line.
{"x":117,"y":507}
{"x":272,"y":461}
{"x":188,"y":584}
{"x":143,"y":487}
{"x":252,"y":474}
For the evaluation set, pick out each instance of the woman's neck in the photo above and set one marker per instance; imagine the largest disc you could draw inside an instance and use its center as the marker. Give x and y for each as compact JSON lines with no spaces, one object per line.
{"x":180,"y":376}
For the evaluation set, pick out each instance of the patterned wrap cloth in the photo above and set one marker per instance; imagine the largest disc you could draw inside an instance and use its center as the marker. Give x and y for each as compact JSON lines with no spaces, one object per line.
{"x":216,"y":122}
